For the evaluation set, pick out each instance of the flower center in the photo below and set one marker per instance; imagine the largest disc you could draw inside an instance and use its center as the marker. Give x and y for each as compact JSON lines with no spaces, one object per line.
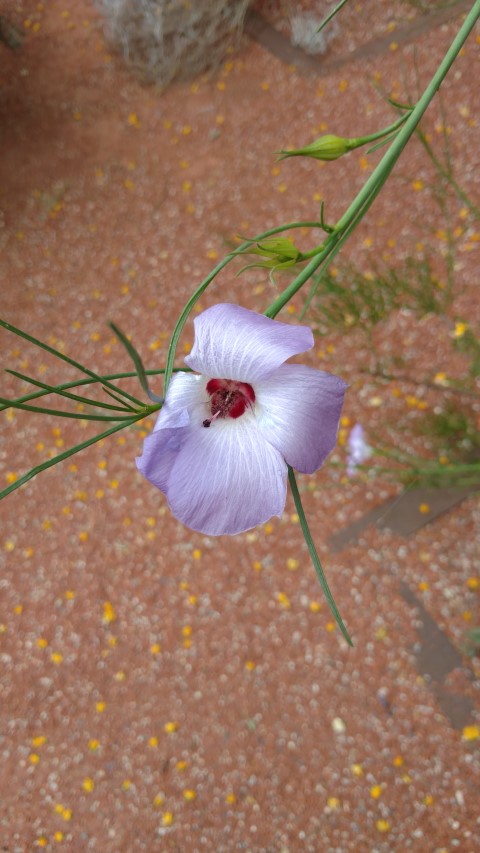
{"x":228,"y":399}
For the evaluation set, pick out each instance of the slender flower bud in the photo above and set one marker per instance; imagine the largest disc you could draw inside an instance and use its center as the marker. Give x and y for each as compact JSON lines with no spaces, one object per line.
{"x":280,"y":249}
{"x":327,"y":147}
{"x":276,"y":253}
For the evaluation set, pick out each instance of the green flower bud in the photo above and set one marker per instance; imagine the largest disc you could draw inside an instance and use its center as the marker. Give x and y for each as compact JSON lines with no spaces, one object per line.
{"x":327,"y":147}
{"x":277,"y":253}
{"x":278,"y":248}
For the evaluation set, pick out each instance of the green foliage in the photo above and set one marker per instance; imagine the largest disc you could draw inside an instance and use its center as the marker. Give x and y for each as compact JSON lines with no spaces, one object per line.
{"x":469,"y":344}
{"x":472,"y":645}
{"x":453,"y":431}
{"x":352,"y":300}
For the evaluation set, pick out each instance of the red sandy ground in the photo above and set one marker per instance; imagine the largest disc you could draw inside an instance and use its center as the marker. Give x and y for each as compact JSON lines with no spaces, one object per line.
{"x":160,"y":690}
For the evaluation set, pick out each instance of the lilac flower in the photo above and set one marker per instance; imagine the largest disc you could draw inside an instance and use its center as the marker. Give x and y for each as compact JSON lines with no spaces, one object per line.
{"x":224,"y":436}
{"x":358,"y":449}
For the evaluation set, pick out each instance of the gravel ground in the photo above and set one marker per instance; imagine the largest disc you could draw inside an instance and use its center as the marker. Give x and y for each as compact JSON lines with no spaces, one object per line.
{"x":165,"y":691}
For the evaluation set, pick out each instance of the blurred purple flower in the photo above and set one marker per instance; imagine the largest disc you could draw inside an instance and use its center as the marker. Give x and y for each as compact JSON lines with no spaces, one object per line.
{"x":224,"y":436}
{"x":358,"y":449}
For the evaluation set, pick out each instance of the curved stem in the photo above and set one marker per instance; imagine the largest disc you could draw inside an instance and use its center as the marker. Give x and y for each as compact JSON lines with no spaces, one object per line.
{"x":172,"y":347}
{"x":375,"y":182}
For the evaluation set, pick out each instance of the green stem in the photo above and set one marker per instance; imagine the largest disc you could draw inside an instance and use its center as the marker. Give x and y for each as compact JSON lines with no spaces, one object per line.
{"x":314,"y":556}
{"x":76,"y":383}
{"x":332,"y":15}
{"x":81,"y":416}
{"x":363,"y":140}
{"x":53,"y":389}
{"x":172,"y":348}
{"x":63,"y":357}
{"x":374,"y":184}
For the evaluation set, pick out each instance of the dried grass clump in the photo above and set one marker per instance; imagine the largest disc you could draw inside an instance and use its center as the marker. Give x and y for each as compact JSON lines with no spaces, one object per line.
{"x":305,"y":32}
{"x":173,"y":39}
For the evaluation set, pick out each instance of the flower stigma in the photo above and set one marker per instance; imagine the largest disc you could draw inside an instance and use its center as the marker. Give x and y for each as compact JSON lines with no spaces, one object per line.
{"x":229,"y":399}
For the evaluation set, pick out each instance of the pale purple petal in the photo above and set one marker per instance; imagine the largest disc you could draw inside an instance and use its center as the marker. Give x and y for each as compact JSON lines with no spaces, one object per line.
{"x":186,"y":395}
{"x":232,"y":342}
{"x":298,"y":409}
{"x":226,"y":479}
{"x":185,"y":404}
{"x":160,"y":450}
{"x":358,"y":449}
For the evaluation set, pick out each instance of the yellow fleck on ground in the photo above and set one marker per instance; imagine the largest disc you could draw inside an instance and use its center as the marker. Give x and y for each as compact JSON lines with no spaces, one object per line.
{"x":109,"y":614}
{"x":189,"y":794}
{"x":283,"y":600}
{"x":471,"y":733}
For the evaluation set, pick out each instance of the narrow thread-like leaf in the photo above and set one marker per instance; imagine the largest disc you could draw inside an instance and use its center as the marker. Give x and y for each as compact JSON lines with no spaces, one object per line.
{"x":58,"y":413}
{"x":172,"y":347}
{"x":118,"y":399}
{"x":61,"y":456}
{"x":134,"y":355}
{"x":77,"y":383}
{"x":331,"y":15}
{"x":63,"y":357}
{"x":313,"y":554}
{"x":53,"y":389}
